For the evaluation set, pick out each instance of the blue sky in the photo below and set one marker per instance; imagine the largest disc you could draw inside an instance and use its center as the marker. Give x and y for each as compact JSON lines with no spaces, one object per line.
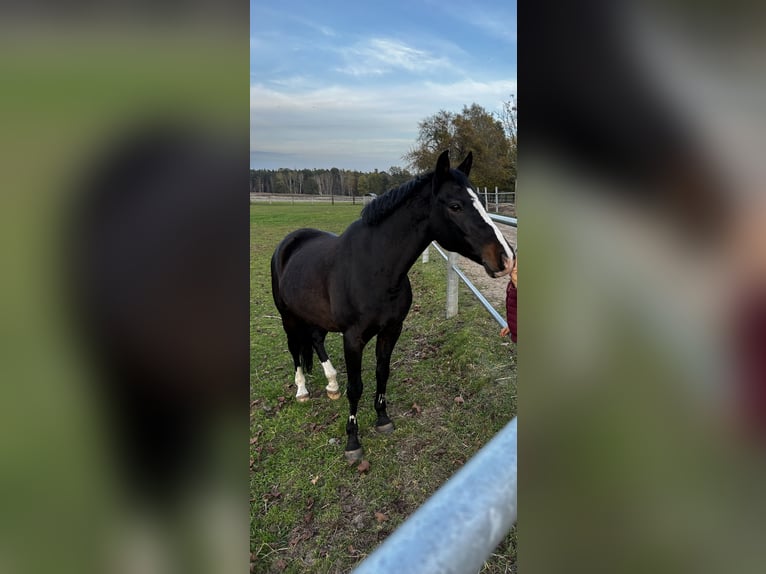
{"x":344,"y":84}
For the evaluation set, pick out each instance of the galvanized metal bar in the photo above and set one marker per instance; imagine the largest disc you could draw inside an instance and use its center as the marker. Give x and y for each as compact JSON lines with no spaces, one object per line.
{"x":456,"y":529}
{"x":483,"y":300}
{"x":512,"y":221}
{"x":441,"y":251}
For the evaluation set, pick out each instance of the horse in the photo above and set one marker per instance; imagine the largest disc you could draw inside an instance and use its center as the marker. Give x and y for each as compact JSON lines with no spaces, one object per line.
{"x":357,"y":283}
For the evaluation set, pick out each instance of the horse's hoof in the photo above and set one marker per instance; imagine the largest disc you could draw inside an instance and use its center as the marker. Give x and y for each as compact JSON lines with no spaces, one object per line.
{"x":354,"y":455}
{"x":333,"y":395}
{"x":302,"y":398}
{"x":387,"y":428}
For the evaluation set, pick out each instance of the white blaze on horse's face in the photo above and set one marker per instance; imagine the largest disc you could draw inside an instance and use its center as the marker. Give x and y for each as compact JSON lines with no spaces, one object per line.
{"x":476,"y":202}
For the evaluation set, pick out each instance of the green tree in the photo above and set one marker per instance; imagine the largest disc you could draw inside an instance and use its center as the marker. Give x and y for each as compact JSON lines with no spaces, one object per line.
{"x":398,"y":175}
{"x":435,"y":134}
{"x":508,"y":118}
{"x":473,"y":129}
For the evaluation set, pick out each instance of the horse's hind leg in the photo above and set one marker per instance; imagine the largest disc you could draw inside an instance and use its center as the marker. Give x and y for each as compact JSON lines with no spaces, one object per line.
{"x":329,"y":371}
{"x":387,"y":339}
{"x":297,"y":345}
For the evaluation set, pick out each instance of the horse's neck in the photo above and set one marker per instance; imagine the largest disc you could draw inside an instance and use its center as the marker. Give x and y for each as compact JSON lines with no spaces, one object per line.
{"x":403,"y":237}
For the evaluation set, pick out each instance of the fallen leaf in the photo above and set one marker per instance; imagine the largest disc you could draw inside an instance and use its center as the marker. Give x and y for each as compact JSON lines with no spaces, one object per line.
{"x":380,"y":517}
{"x":315,"y":479}
{"x":308,"y":517}
{"x":459,"y":400}
{"x":274,"y":494}
{"x":254,"y":440}
{"x":416,"y":408}
{"x":364,"y":466}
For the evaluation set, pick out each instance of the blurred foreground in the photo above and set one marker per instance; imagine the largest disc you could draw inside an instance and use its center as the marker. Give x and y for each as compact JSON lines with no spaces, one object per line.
{"x":124,"y":302}
{"x":642,"y":191}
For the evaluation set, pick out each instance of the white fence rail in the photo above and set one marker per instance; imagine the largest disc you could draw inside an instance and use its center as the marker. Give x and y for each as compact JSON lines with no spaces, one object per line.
{"x":494,"y":199}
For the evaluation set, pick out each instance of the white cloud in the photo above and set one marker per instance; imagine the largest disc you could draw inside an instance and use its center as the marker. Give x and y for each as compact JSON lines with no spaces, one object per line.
{"x":383,"y":55}
{"x":465,"y":92}
{"x":345,"y":125}
{"x":498,"y":25}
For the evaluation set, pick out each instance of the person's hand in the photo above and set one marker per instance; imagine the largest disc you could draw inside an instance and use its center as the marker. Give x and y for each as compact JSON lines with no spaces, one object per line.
{"x":505,"y":332}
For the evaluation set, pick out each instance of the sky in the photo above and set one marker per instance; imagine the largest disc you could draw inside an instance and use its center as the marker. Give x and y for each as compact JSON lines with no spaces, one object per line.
{"x":344,"y":84}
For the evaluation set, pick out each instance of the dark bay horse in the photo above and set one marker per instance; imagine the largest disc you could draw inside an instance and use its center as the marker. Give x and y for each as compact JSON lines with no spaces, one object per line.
{"x":357,"y":283}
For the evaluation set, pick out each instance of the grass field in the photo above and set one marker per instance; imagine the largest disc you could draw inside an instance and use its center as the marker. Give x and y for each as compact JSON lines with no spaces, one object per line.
{"x":310,"y":510}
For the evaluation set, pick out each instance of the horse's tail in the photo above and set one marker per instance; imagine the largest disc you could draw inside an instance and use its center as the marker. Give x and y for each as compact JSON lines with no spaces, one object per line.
{"x":307,"y":351}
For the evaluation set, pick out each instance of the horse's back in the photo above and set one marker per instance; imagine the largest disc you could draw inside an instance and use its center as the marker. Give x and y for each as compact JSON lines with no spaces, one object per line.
{"x":294,"y":242}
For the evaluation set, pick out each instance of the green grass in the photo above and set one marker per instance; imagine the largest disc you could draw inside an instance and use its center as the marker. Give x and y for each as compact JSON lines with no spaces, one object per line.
{"x":310,"y":511}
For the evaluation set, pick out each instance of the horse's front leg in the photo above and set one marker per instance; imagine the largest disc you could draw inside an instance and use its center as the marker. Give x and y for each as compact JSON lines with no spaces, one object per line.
{"x":387,"y":339}
{"x":352,"y":349}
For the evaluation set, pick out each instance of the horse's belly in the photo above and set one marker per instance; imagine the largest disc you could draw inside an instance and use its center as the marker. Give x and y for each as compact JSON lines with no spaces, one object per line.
{"x":311,"y":306}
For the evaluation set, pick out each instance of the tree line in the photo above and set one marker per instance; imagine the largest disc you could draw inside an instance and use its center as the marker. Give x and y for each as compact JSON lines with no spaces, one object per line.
{"x":326,"y":181}
{"x":491,"y":137}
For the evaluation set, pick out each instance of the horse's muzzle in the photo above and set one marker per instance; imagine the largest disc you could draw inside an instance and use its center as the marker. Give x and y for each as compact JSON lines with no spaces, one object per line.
{"x":496,"y":261}
{"x":497,"y":271}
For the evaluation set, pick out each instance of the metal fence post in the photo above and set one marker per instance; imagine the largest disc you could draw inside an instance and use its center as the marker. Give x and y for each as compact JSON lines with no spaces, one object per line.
{"x":496,"y":201}
{"x":452,"y":284}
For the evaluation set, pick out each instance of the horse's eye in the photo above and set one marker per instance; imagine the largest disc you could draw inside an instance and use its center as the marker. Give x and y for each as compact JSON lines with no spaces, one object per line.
{"x":455,"y":207}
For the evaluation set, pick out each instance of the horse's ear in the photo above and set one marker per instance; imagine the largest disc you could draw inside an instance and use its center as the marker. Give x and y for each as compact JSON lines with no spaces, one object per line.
{"x":442,"y":169}
{"x":465,"y":167}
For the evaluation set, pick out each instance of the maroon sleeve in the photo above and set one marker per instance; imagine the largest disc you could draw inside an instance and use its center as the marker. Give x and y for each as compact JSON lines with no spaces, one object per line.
{"x":750,"y":340}
{"x":510,"y":309}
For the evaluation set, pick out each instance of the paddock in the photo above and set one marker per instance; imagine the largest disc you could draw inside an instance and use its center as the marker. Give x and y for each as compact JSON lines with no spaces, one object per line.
{"x":453,"y":388}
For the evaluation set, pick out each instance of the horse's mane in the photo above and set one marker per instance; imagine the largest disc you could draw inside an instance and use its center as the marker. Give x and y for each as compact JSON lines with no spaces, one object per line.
{"x":381,"y":207}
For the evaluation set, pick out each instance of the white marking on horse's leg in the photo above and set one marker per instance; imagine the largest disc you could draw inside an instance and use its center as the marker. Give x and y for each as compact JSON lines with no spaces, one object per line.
{"x":352,"y":418}
{"x":302,"y":393}
{"x":480,"y":208}
{"x":332,"y":376}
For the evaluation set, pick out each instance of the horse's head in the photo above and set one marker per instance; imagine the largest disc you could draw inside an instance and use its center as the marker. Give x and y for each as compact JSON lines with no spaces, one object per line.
{"x":460,"y":223}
